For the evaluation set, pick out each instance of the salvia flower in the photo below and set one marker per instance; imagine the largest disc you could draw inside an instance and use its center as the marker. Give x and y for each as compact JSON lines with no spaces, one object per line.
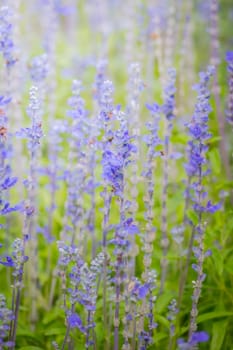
{"x":152,"y":141}
{"x":7,"y":181}
{"x":147,"y":310}
{"x":6,"y":317}
{"x":16,"y":261}
{"x":168,"y":110}
{"x":76,"y":176}
{"x":54,"y":172}
{"x":197,"y":169}
{"x":39,"y":68}
{"x":6,"y":37}
{"x":79,"y":288}
{"x":101,"y":68}
{"x":69,"y":269}
{"x":197,"y":338}
{"x":33,"y":133}
{"x":171,"y":316}
{"x":89,"y":278}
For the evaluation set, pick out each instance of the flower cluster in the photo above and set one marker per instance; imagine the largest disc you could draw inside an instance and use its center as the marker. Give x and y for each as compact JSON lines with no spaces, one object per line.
{"x":197,"y":338}
{"x":39,"y":68}
{"x":6,"y":42}
{"x":99,"y":80}
{"x":6,"y":317}
{"x":197,"y":169}
{"x":16,"y":261}
{"x":104,"y":182}
{"x":6,"y":179}
{"x":168,"y":109}
{"x":76,"y":176}
{"x":80,"y":287}
{"x":34,"y":133}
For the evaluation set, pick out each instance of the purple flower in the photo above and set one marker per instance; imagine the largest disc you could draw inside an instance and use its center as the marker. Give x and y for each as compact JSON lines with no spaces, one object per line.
{"x":75,"y":321}
{"x":169,"y":96}
{"x":6,"y":317}
{"x":143,"y":291}
{"x":199,"y":337}
{"x":100,"y":78}
{"x":229,"y":58}
{"x":8,"y":182}
{"x":6,"y":43}
{"x":197,"y":169}
{"x":7,"y":208}
{"x":34,"y":133}
{"x":153,"y":108}
{"x":39,"y":68}
{"x":9,"y":262}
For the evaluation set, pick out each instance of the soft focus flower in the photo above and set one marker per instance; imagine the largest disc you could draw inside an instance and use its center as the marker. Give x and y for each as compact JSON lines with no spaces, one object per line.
{"x":6,"y":42}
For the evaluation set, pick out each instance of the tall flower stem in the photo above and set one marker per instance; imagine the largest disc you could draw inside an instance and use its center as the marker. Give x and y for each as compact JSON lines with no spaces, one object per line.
{"x":164,"y":241}
{"x":198,"y":283}
{"x":119,"y":261}
{"x":17,"y":295}
{"x":33,"y":134}
{"x":168,"y":111}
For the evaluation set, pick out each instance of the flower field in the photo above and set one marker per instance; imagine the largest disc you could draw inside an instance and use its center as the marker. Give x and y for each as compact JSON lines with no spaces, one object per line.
{"x":116,"y":175}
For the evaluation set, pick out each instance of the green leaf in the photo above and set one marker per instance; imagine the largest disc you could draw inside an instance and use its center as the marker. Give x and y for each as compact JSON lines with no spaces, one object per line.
{"x":26,"y":334}
{"x":31,"y":348}
{"x":163,"y":301}
{"x":214,"y":139}
{"x":215,"y":160}
{"x":50,"y":317}
{"x":191,"y":215}
{"x":218,"y":331}
{"x":212,"y":315}
{"x":54,"y":331}
{"x":159,"y":337}
{"x":163,"y":320}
